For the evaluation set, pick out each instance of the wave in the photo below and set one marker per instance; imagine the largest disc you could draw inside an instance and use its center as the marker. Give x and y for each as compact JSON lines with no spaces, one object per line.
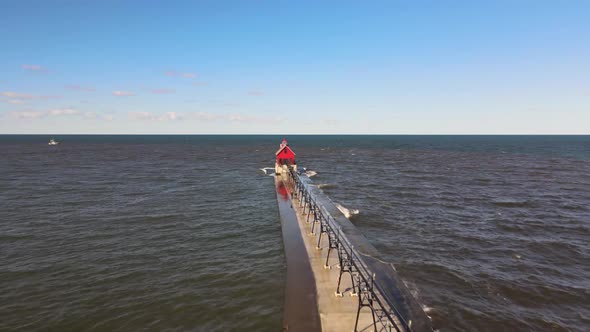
{"x":426,"y":308}
{"x":512,"y":203}
{"x":347,"y":212}
{"x":326,"y":185}
{"x":268,"y":170}
{"x":310,"y":173}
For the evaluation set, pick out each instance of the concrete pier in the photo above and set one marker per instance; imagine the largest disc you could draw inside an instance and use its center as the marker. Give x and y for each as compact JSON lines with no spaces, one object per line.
{"x":338,"y":311}
{"x":300,"y":311}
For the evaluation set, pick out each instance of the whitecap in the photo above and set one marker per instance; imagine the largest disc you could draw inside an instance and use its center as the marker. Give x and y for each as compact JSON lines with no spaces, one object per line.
{"x":325,"y":185}
{"x":347,"y":212}
{"x":310,"y":173}
{"x":426,"y":308}
{"x":268,"y":170}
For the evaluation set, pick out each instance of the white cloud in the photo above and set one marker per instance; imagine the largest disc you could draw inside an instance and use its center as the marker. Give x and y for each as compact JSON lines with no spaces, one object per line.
{"x":17,"y":95}
{"x":77,"y":87}
{"x":173,"y":73}
{"x":41,"y":114}
{"x":239,"y":118}
{"x":207,"y":116}
{"x":204,"y":116}
{"x":28,"y":114}
{"x":13,"y":101}
{"x":245,"y":118}
{"x":233,"y":118}
{"x":94,"y":116}
{"x":147,"y":116}
{"x":33,"y":67}
{"x":141,"y":115}
{"x":330,"y":122}
{"x":62,"y":111}
{"x":119,"y":93}
{"x":169,"y":116}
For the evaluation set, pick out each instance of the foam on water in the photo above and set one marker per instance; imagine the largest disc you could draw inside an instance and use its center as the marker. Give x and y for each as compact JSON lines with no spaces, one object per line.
{"x":348,"y":213}
{"x":310,"y":173}
{"x":268,"y":170}
{"x":325,"y":185}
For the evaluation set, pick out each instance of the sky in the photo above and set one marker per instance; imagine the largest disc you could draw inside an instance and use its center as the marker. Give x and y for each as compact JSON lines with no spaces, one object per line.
{"x":294,"y":67}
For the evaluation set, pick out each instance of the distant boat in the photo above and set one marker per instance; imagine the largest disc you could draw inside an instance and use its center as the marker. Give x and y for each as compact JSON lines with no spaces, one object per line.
{"x":53,"y":142}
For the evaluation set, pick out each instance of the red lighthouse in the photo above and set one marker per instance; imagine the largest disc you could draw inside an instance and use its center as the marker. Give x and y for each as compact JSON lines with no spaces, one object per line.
{"x":285,"y":156}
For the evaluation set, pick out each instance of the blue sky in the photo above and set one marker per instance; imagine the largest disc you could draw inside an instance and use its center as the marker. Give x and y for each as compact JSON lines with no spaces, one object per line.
{"x":207,"y":67}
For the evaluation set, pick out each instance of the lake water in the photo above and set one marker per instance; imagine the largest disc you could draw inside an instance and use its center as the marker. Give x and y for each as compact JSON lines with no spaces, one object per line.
{"x":122,"y":233}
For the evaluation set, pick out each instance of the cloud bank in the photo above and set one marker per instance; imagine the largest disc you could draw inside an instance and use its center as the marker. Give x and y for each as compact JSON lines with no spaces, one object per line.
{"x":17,"y":95}
{"x":148,"y":116}
{"x":203,"y":117}
{"x":120,"y":93}
{"x":59,"y":112}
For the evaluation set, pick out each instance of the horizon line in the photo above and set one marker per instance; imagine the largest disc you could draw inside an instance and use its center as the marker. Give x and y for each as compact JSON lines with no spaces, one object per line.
{"x":284,"y":134}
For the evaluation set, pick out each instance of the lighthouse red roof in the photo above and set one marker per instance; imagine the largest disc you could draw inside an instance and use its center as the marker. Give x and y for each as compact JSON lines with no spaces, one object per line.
{"x":283,"y":146}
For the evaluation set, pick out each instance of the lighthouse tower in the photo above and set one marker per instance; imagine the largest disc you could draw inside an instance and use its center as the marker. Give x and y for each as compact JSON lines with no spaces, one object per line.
{"x":285,"y":158}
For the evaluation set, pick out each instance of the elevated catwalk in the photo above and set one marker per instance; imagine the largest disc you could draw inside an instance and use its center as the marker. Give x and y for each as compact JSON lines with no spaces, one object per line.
{"x":334,"y":280}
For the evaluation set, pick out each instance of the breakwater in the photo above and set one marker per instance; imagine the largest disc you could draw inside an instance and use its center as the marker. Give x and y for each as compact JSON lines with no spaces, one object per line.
{"x":377,"y":299}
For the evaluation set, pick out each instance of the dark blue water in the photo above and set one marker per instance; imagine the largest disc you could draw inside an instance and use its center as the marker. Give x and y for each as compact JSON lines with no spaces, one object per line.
{"x":181,"y":232}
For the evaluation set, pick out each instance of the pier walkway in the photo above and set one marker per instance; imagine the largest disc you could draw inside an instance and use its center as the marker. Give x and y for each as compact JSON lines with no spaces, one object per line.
{"x":350,"y":289}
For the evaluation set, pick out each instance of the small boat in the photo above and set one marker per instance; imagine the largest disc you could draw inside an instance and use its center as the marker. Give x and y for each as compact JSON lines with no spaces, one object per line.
{"x":53,"y":142}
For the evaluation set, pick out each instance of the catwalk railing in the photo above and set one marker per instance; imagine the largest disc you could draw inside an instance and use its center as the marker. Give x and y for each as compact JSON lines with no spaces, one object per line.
{"x":386,"y":316}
